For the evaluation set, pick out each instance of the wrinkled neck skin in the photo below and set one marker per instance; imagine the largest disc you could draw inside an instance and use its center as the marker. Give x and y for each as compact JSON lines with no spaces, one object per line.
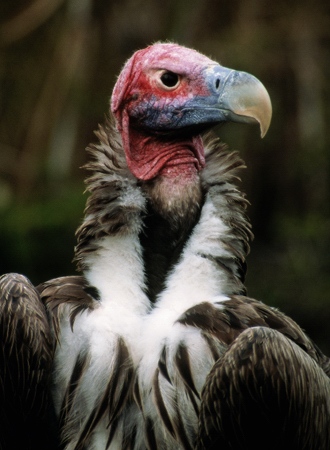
{"x":168,"y":171}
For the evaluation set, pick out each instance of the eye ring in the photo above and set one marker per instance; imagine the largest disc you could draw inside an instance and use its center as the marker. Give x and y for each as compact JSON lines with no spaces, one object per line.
{"x":169,"y":80}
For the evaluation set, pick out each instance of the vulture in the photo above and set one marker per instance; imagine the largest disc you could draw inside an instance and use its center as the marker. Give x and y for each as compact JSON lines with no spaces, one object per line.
{"x":156,"y":345}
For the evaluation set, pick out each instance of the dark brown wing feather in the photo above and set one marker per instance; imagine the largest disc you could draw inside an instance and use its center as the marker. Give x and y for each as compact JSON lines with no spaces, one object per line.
{"x":73,"y":291}
{"x":26,"y":354}
{"x":265,"y":392}
{"x":225,"y":321}
{"x":265,"y":358}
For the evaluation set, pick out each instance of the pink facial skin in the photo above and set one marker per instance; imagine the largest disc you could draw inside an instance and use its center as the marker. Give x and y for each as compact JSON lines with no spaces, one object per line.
{"x":139,"y":93}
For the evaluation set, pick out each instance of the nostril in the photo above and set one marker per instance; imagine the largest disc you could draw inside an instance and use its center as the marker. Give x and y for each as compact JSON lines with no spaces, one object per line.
{"x":217,"y":83}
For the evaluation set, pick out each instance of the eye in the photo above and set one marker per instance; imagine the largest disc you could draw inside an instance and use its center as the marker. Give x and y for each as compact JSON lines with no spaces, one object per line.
{"x":170,"y":80}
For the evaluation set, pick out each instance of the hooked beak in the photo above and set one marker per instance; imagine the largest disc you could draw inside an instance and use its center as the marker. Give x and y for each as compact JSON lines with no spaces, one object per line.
{"x":238,"y":97}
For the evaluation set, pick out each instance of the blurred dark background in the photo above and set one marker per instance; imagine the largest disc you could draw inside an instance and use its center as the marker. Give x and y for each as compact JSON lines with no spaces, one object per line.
{"x":58,"y":63}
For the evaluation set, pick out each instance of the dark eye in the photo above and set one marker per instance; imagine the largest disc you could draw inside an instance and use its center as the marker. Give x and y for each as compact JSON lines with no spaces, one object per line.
{"x":170,"y":79}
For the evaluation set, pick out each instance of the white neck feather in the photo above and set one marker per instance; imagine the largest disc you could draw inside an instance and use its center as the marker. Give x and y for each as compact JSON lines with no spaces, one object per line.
{"x":116,"y":269}
{"x":197,"y":278}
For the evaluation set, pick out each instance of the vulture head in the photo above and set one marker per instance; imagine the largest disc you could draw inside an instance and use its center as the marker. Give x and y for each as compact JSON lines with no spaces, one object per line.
{"x":167,"y":95}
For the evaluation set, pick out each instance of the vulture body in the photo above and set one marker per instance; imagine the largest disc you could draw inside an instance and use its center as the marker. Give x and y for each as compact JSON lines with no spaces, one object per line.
{"x":155,"y":345}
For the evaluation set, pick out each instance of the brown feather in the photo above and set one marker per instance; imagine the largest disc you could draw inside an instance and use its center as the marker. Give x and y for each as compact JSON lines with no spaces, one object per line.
{"x":226,"y":320}
{"x":26,"y":357}
{"x":72,"y":291}
{"x":108,"y":212}
{"x":109,"y":404}
{"x":265,"y":382}
{"x":26,"y":340}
